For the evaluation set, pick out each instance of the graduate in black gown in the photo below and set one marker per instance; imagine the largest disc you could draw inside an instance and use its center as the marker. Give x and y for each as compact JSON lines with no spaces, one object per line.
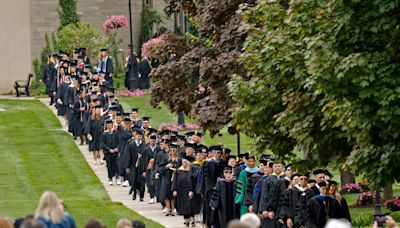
{"x":197,"y":179}
{"x":212,"y":170}
{"x":159,"y":161}
{"x":49,"y":76}
{"x":151,"y":150}
{"x":93,"y":132}
{"x":268,"y":202}
{"x":294,"y":201}
{"x":183,"y":192}
{"x":320,"y":208}
{"x":61,"y":94}
{"x":143,"y":161}
{"x":109,"y":144}
{"x":144,"y":70}
{"x":223,"y":198}
{"x":124,"y":132}
{"x":340,"y":203}
{"x":166,"y":170}
{"x":78,"y":114}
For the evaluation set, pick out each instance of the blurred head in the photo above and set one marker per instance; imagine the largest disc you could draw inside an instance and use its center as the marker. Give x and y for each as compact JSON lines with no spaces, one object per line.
{"x":320,"y":177}
{"x":251,"y":162}
{"x":322,"y":189}
{"x":189,"y":151}
{"x":50,"y":208}
{"x":173,"y":151}
{"x":232,"y":162}
{"x":138,"y":137}
{"x":124,"y":223}
{"x":185,"y":163}
{"x":31,"y":223}
{"x":277,"y":168}
{"x":251,"y":219}
{"x":135,"y":115}
{"x":303,"y":181}
{"x":138,"y":224}
{"x":332,"y":188}
{"x":217,"y":154}
{"x":93,"y":223}
{"x":6,"y":223}
{"x":228,"y":174}
{"x":295,"y":180}
{"x":145,"y":124}
{"x":201,"y":156}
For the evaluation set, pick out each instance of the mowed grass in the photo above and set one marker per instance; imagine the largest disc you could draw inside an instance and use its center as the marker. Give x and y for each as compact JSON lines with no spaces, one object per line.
{"x":36,"y":156}
{"x":163,"y":115}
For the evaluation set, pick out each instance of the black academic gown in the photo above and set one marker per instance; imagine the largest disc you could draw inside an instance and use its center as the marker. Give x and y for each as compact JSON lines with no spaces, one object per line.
{"x":223,"y":199}
{"x":95,"y":129}
{"x":151,"y":154}
{"x":61,"y":94}
{"x":110,"y":141}
{"x":78,"y":117}
{"x":290,"y":203}
{"x":69,"y":99}
{"x":124,"y":135}
{"x":197,"y":175}
{"x":319,"y":210}
{"x":166,"y":178}
{"x":132,"y":153}
{"x":182,"y":184}
{"x":212,"y":170}
{"x":268,"y":200}
{"x":140,"y":180}
{"x":132,"y":74}
{"x":144,"y":69}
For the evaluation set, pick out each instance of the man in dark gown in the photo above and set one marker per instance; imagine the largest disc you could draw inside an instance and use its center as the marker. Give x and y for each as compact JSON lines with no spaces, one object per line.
{"x":131,"y":71}
{"x":223,"y":198}
{"x":319,"y":178}
{"x":212,"y":170}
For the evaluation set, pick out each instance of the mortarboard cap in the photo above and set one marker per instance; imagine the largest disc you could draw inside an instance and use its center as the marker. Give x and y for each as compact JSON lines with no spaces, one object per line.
{"x":164,"y":132}
{"x":97,"y":106}
{"x":135,"y":109}
{"x":294,"y":175}
{"x":227,"y":150}
{"x":180,"y":137}
{"x":216,"y":147}
{"x":173,"y":144}
{"x":108,"y":121}
{"x":328,"y":173}
{"x":146,"y":118}
{"x":119,"y":113}
{"x":228,"y":169}
{"x":230,"y":157}
{"x":190,"y":133}
{"x":152,"y":130}
{"x":104,"y":49}
{"x":153,"y":137}
{"x":190,"y":145}
{"x":319,"y":171}
{"x":332,"y":182}
{"x":198,"y":133}
{"x":322,"y":184}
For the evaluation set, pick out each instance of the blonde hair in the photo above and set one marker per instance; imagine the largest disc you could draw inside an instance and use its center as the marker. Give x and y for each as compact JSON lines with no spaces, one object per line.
{"x":50,"y":208}
{"x":5,"y":223}
{"x":187,"y":162}
{"x":124,"y":223}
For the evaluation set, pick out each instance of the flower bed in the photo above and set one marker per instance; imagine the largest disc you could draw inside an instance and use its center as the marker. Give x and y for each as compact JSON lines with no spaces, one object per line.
{"x":176,"y":127}
{"x":365,"y":198}
{"x":350,"y":188}
{"x":393,"y":204}
{"x":127,"y":93}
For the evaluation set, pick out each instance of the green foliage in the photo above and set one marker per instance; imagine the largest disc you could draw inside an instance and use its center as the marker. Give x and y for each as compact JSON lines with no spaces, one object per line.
{"x":81,"y":35}
{"x":37,"y":87}
{"x":113,"y":43}
{"x":322,"y":75}
{"x":54,"y":39}
{"x":67,"y":13}
{"x":150,"y":18}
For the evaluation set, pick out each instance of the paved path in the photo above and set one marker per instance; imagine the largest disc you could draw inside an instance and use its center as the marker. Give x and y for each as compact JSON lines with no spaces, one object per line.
{"x":118,"y":193}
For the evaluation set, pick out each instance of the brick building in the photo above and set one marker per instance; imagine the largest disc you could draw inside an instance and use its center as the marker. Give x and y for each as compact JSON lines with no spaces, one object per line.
{"x":24,"y":23}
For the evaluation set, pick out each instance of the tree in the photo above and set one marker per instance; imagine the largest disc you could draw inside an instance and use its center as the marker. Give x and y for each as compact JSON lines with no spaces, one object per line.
{"x":195,"y":81}
{"x":81,"y":35}
{"x":150,"y":18}
{"x":322,"y":75}
{"x":67,"y":13}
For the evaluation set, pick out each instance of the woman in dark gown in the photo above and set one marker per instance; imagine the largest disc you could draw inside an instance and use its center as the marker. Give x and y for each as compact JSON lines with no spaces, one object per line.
{"x":93,"y":132}
{"x":183,"y":192}
{"x":78,"y":115}
{"x":166,"y":170}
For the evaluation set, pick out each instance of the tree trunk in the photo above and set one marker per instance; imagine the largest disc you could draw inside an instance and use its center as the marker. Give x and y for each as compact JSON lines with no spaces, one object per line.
{"x":346,"y":177}
{"x":388,"y":192}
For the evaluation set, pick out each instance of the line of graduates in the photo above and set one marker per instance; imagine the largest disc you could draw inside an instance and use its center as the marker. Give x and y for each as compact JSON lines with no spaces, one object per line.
{"x":202,"y":184}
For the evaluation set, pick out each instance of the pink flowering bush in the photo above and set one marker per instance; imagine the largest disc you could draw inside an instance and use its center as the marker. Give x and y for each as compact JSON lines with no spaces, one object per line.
{"x":366,"y":199}
{"x":393,"y":204}
{"x":351,"y":188}
{"x":176,"y":127}
{"x":127,"y":93}
{"x":148,"y":47}
{"x":114,"y":23}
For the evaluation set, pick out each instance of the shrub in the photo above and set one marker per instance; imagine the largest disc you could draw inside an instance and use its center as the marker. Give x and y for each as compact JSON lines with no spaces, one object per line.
{"x":393,"y":204}
{"x":81,"y":35}
{"x":365,"y":199}
{"x":350,"y":188}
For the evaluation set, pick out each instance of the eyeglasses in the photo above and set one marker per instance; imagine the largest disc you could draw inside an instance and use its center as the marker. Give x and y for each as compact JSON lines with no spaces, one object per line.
{"x":303,"y":178}
{"x":227,"y":171}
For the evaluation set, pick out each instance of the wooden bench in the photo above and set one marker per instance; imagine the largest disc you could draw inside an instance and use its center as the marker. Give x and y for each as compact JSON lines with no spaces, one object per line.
{"x":22,"y":84}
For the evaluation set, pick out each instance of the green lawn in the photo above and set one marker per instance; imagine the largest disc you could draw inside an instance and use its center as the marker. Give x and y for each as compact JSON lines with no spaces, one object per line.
{"x":36,"y":156}
{"x":163,"y":115}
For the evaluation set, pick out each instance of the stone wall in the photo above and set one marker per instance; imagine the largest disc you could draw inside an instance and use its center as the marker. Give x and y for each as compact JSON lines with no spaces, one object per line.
{"x":15,"y":43}
{"x":24,"y":24}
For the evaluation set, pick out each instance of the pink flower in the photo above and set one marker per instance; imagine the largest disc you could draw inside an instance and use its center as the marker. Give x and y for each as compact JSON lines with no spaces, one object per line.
{"x":150,"y":44}
{"x":114,"y":23}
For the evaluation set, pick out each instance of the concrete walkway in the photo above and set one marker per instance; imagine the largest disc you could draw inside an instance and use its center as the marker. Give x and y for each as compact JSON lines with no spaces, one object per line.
{"x":118,"y":193}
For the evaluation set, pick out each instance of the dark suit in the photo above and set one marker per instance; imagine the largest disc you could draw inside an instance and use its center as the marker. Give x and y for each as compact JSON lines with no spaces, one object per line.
{"x":109,"y":70}
{"x":132,"y":74}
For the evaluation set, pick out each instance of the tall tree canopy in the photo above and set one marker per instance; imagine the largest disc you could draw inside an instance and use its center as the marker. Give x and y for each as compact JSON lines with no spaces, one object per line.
{"x":67,"y":13}
{"x":323,"y":75}
{"x":194,"y":81}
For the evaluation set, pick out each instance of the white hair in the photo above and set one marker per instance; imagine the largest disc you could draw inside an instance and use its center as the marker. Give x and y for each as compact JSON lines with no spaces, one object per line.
{"x":251,"y":219}
{"x":337,"y":223}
